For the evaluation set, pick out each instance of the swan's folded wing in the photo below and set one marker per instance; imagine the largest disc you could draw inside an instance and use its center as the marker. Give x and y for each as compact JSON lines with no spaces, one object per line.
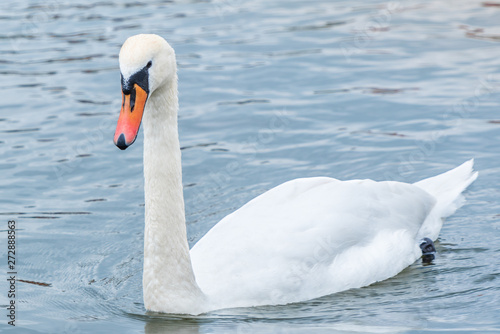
{"x":299,"y":240}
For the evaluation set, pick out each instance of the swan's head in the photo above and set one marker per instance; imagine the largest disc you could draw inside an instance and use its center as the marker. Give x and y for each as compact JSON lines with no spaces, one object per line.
{"x":146,"y":63}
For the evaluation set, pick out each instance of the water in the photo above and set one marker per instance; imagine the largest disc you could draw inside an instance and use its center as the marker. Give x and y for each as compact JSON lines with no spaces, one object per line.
{"x":269,"y":91}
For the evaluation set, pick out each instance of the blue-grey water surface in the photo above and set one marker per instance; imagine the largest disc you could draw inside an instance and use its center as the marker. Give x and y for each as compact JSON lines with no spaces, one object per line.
{"x":269,"y":91}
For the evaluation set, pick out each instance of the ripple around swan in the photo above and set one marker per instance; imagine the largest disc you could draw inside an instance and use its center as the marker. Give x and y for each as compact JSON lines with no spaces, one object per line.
{"x":269,"y":91}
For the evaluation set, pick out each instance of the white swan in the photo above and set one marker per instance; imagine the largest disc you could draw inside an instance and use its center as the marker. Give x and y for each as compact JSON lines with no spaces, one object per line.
{"x":301,"y":240}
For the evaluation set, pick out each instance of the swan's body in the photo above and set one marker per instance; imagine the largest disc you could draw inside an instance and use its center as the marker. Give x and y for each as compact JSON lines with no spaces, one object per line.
{"x":300,"y":240}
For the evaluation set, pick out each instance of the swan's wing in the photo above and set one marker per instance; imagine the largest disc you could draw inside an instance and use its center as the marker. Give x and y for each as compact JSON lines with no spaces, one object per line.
{"x":311,"y":237}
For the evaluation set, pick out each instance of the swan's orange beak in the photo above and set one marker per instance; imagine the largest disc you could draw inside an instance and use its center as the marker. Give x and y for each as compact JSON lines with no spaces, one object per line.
{"x":130,"y":117}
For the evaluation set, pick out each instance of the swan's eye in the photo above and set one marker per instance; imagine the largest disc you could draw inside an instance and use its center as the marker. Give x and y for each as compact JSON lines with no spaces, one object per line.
{"x":149,"y":64}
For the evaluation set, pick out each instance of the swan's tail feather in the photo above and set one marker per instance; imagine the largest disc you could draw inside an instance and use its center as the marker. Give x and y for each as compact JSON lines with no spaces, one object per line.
{"x":447,"y":188}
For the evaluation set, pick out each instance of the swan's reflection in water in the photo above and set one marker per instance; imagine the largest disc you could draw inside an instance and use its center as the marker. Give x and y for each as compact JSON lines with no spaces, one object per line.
{"x":157,"y":326}
{"x":240,"y":322}
{"x":156,"y":323}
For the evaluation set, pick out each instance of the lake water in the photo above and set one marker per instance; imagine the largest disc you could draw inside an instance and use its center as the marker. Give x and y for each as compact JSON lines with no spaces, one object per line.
{"x":269,"y":91}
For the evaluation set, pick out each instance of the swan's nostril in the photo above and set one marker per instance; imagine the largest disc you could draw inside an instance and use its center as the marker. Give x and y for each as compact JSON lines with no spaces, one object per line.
{"x":121,"y":142}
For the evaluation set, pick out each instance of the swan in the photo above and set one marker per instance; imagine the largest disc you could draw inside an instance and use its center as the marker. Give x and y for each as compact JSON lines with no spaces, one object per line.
{"x":301,"y":240}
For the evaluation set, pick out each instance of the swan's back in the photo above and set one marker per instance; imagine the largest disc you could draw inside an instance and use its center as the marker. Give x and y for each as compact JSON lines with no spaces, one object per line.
{"x":311,"y":237}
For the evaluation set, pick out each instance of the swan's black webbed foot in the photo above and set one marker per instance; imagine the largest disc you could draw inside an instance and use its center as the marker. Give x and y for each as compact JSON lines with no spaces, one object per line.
{"x":428,"y":250}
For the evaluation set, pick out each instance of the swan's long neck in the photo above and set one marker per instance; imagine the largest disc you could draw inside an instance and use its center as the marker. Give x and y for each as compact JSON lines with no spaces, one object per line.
{"x":168,"y":280}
